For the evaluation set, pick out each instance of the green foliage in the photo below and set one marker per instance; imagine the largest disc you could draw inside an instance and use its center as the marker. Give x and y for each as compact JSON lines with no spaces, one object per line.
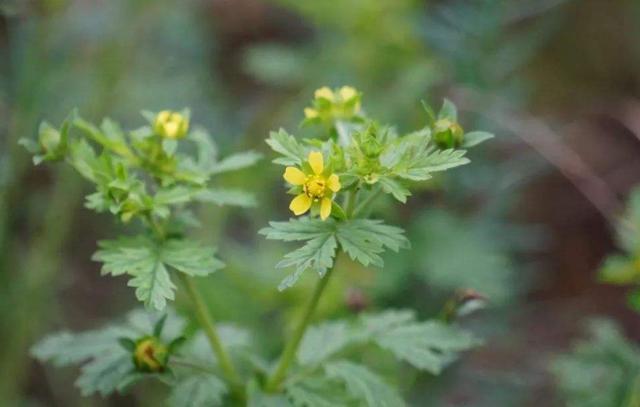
{"x":199,"y":390}
{"x":106,"y":366}
{"x":624,"y":269}
{"x":429,"y":345}
{"x":362,"y":239}
{"x":457,"y":253}
{"x":601,"y":371}
{"x":146,"y":260}
{"x":363,"y":384}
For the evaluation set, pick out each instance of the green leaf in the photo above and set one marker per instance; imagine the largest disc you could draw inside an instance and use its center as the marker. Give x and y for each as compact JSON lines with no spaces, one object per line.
{"x":448,"y":111}
{"x":619,"y":270}
{"x":285,"y":144}
{"x":174,"y":195}
{"x":395,"y":188}
{"x":201,"y":390}
{"x":323,"y":341}
{"x":318,"y":392}
{"x":474,"y":138}
{"x":365,"y":239}
{"x":629,"y":225}
{"x":363,"y":384}
{"x":233,"y":338}
{"x":106,"y":365}
{"x":236,"y":162}
{"x":317,"y":253}
{"x":420,"y":168}
{"x":603,"y":370}
{"x":146,"y":260}
{"x":222,"y":196}
{"x":429,"y":345}
{"x":256,"y":397}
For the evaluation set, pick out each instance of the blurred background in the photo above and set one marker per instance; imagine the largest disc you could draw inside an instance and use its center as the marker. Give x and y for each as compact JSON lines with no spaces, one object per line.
{"x":527,"y":224}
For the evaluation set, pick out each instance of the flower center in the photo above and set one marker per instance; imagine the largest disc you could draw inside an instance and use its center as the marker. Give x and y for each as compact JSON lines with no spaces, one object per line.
{"x":314,"y":187}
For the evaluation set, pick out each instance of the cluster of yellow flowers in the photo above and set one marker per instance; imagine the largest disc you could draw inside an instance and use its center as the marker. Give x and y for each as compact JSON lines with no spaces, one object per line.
{"x":329,"y":105}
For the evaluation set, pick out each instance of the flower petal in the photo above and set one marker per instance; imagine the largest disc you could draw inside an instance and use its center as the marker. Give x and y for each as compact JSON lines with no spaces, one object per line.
{"x":316,"y":160}
{"x":333,"y":183}
{"x":325,"y":208}
{"x":310,"y":113}
{"x":324,"y":93}
{"x":294,"y":176}
{"x":300,"y":204}
{"x":347,"y":92}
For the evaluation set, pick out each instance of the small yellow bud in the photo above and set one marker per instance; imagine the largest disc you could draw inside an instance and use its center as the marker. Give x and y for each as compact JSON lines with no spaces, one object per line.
{"x":447,"y":134}
{"x":150,"y":355}
{"x":171,"y":125}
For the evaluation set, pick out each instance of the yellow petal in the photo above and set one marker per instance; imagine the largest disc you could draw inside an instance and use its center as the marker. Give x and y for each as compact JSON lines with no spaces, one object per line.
{"x":316,"y":160}
{"x":324,"y":93}
{"x":300,"y":204}
{"x":310,"y":113}
{"x":294,"y":176}
{"x":333,"y":182}
{"x":325,"y":208}
{"x":347,"y":92}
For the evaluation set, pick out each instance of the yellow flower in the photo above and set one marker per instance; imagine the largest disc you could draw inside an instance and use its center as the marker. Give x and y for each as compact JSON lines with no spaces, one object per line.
{"x":171,"y":125}
{"x":324,"y":93}
{"x":317,"y":187}
{"x":330,"y":105}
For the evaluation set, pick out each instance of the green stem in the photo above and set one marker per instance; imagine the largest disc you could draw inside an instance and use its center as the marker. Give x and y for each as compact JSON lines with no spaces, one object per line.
{"x":289,"y":352}
{"x":205,"y":319}
{"x":350,"y":204}
{"x":365,"y":203}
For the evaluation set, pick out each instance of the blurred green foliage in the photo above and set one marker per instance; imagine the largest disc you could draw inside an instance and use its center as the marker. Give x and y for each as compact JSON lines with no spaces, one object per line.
{"x":113,"y":58}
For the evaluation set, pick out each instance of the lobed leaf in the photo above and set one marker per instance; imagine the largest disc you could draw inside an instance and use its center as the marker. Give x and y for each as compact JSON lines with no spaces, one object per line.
{"x":200,"y":390}
{"x":145,"y":260}
{"x":285,"y":144}
{"x":363,"y":384}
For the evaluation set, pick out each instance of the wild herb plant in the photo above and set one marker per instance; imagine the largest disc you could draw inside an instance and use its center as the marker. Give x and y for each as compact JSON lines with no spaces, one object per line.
{"x":154,"y":175}
{"x":604,"y":370}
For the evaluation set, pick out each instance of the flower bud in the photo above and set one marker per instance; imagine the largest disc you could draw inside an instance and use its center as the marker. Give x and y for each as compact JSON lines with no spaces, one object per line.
{"x":171,"y":125}
{"x":447,"y":134}
{"x":150,"y":355}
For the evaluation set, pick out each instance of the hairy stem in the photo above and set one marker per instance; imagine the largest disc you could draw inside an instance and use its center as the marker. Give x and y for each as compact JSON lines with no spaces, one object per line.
{"x":206,"y":321}
{"x":289,"y":352}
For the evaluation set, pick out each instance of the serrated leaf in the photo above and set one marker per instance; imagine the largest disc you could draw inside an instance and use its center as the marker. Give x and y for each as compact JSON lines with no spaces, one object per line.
{"x":317,"y":253}
{"x":474,"y":138}
{"x":395,"y":188}
{"x":323,"y":341}
{"x":365,"y":239}
{"x":420,"y":168}
{"x":106,"y":366}
{"x":318,"y":392}
{"x":297,"y":229}
{"x":233,"y":338}
{"x":201,"y":390}
{"x":145,"y":260}
{"x":236,"y":162}
{"x":224,"y":196}
{"x":285,"y":144}
{"x":363,"y":384}
{"x":430,"y":345}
